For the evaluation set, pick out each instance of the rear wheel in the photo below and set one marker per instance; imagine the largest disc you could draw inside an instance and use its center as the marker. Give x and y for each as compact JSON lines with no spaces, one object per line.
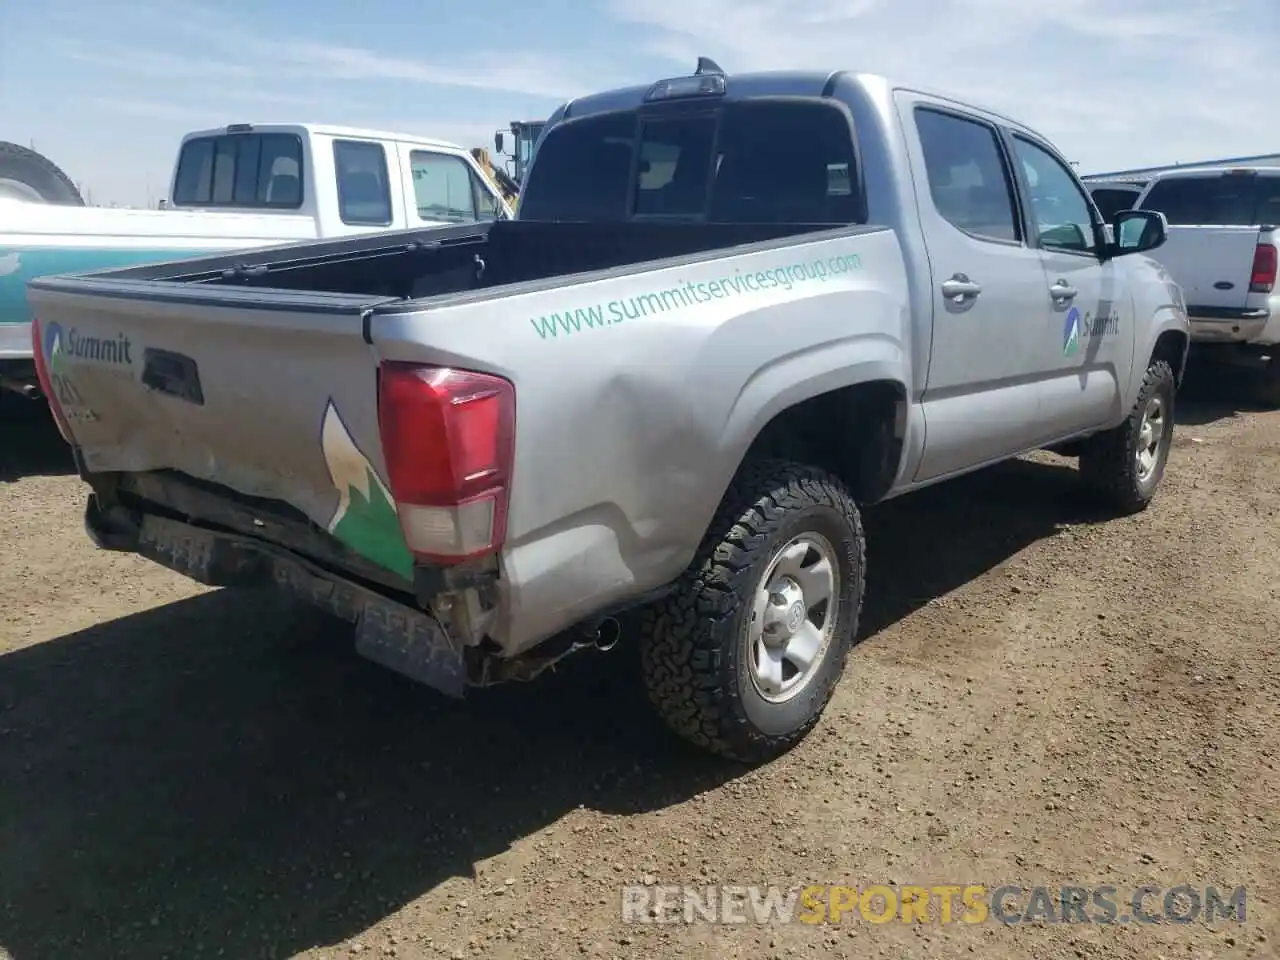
{"x":743,"y":658}
{"x":1125,"y":465}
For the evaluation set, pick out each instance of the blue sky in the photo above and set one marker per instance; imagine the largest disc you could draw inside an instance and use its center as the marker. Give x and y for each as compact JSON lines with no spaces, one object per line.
{"x":107,"y":87}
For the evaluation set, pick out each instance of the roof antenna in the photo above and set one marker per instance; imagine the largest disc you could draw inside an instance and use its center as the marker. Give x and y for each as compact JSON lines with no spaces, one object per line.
{"x":707,"y":65}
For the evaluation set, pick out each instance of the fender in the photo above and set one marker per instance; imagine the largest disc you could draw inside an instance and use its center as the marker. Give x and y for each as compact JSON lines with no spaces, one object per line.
{"x":791,"y":380}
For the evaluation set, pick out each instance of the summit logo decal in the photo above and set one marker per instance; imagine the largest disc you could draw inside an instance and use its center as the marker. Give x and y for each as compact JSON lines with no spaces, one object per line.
{"x":114,"y":351}
{"x":365,"y":518}
{"x":1078,"y":326}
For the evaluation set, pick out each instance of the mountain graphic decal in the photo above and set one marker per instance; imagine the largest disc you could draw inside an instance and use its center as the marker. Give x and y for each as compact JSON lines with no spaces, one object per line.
{"x":53,"y":347}
{"x":1071,"y":332}
{"x":365,"y":519}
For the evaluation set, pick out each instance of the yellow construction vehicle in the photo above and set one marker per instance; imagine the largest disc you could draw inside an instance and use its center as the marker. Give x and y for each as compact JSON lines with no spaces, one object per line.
{"x":497,"y":176}
{"x":524,"y":135}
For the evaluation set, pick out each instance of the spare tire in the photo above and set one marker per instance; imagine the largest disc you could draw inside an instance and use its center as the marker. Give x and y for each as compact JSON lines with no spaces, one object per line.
{"x":33,"y":176}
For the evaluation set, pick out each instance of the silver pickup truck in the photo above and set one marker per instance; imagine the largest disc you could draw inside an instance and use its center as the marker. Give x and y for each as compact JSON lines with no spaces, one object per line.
{"x":732,"y":311}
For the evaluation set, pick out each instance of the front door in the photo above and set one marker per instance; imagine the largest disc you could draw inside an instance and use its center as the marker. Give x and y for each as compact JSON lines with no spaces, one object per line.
{"x":442,"y":188}
{"x":981,"y":397}
{"x":1087,"y":349}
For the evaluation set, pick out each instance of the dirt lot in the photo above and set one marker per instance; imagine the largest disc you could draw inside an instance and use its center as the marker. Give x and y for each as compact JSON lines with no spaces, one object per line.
{"x":1043,"y":698}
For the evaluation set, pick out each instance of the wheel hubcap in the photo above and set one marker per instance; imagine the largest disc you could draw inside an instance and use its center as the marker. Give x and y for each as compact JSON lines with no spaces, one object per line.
{"x":793,"y":617}
{"x":1150,"y":437}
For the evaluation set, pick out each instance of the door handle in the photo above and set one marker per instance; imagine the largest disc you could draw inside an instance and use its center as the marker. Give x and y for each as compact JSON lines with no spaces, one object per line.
{"x":960,"y":288}
{"x":1063,"y":291}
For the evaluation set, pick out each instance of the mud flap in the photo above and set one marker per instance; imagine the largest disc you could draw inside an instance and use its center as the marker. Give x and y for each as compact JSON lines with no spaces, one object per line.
{"x":394,"y":635}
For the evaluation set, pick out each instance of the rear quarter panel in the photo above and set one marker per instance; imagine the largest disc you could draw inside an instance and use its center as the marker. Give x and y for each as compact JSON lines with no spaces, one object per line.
{"x":637,"y":396}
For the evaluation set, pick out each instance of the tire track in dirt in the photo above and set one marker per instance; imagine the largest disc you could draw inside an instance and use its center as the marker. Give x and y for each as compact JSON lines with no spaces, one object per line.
{"x":1042,"y":697}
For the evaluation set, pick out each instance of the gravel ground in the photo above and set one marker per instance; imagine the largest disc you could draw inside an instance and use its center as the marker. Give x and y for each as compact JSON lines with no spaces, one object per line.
{"x":1044,"y":697}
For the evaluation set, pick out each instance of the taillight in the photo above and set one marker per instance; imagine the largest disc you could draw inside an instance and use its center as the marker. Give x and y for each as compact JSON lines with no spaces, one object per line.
{"x":1264,"y":269}
{"x":46,"y":381}
{"x":448,"y":438}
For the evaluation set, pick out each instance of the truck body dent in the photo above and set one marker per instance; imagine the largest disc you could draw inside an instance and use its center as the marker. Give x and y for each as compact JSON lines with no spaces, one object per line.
{"x":667,"y":386}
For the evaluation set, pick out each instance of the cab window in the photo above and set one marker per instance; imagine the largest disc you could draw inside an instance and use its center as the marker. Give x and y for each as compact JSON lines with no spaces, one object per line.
{"x":1213,"y":199}
{"x":753,"y":161}
{"x":969,"y":180}
{"x":1060,"y":208}
{"x":364,"y":193}
{"x":442,"y":187}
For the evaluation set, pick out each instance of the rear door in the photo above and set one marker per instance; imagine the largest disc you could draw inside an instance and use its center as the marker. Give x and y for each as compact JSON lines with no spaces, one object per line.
{"x":1085,"y":353}
{"x":990,"y":306}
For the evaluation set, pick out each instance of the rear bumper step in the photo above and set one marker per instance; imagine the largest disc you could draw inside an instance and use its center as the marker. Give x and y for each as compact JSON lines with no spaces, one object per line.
{"x":394,"y":635}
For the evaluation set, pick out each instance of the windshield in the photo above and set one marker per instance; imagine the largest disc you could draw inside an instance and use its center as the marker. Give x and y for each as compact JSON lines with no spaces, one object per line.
{"x":762,"y":161}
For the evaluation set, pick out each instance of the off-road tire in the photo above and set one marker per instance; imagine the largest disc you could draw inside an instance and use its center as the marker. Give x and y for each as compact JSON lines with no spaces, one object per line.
{"x":691,"y":642}
{"x":1108,"y":462}
{"x":39,"y":173}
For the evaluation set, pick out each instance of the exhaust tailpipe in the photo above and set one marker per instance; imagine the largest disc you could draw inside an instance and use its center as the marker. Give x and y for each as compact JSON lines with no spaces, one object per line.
{"x":607,"y":634}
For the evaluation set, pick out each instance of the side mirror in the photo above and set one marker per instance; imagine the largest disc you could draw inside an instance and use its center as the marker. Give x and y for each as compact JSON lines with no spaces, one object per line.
{"x":1137,"y":231}
{"x":498,"y":141}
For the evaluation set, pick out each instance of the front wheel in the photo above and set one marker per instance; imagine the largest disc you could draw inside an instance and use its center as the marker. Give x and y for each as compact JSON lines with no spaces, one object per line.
{"x":743,"y":658}
{"x":1125,"y":465}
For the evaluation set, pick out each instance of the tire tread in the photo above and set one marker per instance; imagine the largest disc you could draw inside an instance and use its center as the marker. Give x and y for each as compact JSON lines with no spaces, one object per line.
{"x":682,"y":637}
{"x":1107,"y":462}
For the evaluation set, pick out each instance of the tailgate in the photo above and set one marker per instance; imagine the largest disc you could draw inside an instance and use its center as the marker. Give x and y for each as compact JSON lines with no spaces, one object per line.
{"x":270,"y":393}
{"x":1214,"y":265}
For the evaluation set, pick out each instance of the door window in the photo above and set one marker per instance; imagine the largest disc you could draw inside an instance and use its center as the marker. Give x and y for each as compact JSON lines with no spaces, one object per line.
{"x":968,"y":177}
{"x":487,"y":207}
{"x":364,"y":193}
{"x":1060,"y":208}
{"x":442,"y":187}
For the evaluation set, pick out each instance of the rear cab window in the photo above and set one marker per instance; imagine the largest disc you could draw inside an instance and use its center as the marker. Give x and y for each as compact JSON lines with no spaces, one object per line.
{"x":1216,"y":199}
{"x":240,"y":170}
{"x":750,"y":161}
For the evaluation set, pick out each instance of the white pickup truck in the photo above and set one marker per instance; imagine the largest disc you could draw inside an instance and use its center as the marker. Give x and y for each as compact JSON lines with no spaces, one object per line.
{"x":241,"y":186}
{"x":1224,"y":227}
{"x":731,"y":313}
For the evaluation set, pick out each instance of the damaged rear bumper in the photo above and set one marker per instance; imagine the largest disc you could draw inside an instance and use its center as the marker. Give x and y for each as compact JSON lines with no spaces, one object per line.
{"x":394,"y":635}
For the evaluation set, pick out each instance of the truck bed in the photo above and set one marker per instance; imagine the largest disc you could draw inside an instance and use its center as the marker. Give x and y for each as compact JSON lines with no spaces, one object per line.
{"x":455,"y":260}
{"x":259,"y":372}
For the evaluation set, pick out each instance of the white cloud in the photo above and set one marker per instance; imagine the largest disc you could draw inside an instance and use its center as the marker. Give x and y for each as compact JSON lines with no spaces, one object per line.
{"x":1150,"y":81}
{"x":219,"y":52}
{"x":1114,"y":83}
